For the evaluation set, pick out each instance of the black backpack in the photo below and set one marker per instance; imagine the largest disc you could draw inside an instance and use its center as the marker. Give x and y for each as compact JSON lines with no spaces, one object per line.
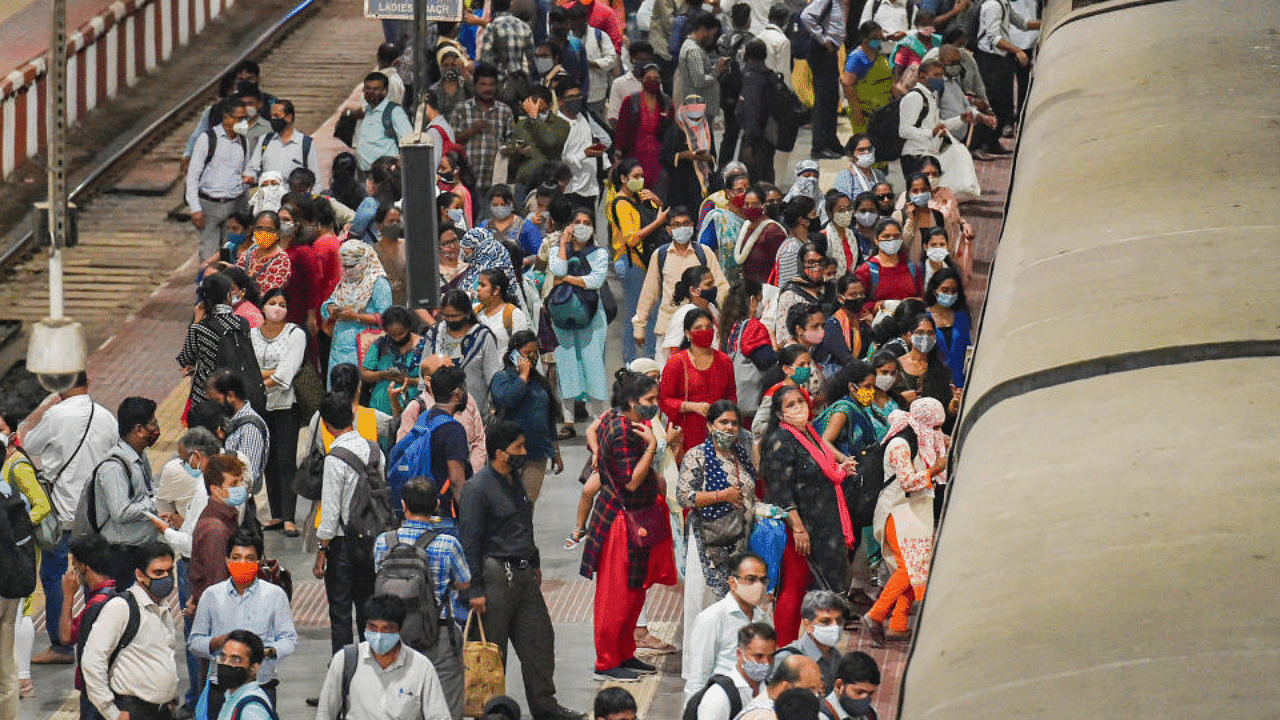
{"x":883,"y":128}
{"x":726,"y":684}
{"x":871,"y":480}
{"x":405,"y":571}
{"x":731,"y":81}
{"x":86,"y":521}
{"x":17,"y":547}
{"x":130,"y":628}
{"x":370,"y":513}
{"x":786,"y":111}
{"x":235,"y":353}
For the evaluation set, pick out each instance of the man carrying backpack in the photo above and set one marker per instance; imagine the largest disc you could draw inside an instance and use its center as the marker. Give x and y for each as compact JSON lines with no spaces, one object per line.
{"x":344,"y":558}
{"x":120,"y":493}
{"x":436,"y":447}
{"x":215,"y":177}
{"x":90,"y":570}
{"x":284,"y":149}
{"x":384,"y":123}
{"x":724,"y":696}
{"x":423,"y":554}
{"x":238,"y":664}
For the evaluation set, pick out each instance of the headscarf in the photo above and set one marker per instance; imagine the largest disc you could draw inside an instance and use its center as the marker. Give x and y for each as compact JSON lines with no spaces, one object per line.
{"x":360,"y":271}
{"x":692,"y":119}
{"x":487,"y":252}
{"x":926,"y":416}
{"x":268,"y":197}
{"x":808,"y":187}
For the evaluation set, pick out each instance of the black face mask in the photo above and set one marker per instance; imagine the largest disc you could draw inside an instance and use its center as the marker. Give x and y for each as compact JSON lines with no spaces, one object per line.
{"x":853,"y":306}
{"x":447,"y":176}
{"x":231,"y":677}
{"x":573,"y":106}
{"x":815,"y":224}
{"x":456,"y":325}
{"x":278,"y":125}
{"x":516,"y":463}
{"x":855,"y":708}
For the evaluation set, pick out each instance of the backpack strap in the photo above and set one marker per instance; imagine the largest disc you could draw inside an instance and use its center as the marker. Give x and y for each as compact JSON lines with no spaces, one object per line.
{"x":93,"y":406}
{"x":350,"y":658}
{"x":924,"y":107}
{"x":92,"y":489}
{"x":213,"y":145}
{"x":735,"y":699}
{"x":388,"y":124}
{"x":250,"y":699}
{"x":266,"y":139}
{"x":306,"y":149}
{"x":130,"y":627}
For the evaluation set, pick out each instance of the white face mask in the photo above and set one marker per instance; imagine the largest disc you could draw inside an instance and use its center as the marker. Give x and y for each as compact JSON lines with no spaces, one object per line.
{"x":842,"y":219}
{"x":891,"y":247}
{"x":250,"y":111}
{"x":682,"y":235}
{"x":752,"y":594}
{"x":827,"y":635}
{"x":937,"y":254}
{"x":458,"y":217}
{"x":866,"y":160}
{"x":241,"y":128}
{"x":867,"y":219}
{"x":582,"y":232}
{"x":884,"y":382}
{"x":923,"y":343}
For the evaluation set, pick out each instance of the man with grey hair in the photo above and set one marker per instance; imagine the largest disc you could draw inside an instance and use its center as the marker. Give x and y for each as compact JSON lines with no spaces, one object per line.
{"x":822,"y":615}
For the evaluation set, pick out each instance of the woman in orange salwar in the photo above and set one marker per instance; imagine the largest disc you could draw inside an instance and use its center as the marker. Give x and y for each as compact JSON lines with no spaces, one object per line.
{"x":915,"y":458}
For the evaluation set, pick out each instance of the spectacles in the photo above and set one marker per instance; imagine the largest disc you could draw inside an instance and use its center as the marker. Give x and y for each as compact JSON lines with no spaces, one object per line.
{"x":886,"y":196}
{"x":751,"y":579}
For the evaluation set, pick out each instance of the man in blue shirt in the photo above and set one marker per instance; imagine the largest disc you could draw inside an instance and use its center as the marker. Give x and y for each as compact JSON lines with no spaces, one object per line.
{"x":449,"y":574}
{"x":373,"y":140}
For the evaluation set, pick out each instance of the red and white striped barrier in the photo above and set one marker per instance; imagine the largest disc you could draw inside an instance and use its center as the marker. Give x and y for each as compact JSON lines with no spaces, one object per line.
{"x":111,"y":51}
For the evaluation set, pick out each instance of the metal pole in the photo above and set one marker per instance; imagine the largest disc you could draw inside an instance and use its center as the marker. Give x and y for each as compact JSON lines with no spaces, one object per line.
{"x":57,"y":123}
{"x":418,"y":208}
{"x":420,"y":51}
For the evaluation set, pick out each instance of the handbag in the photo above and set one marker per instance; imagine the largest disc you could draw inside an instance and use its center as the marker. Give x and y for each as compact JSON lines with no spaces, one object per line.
{"x":345,"y":129}
{"x":728,"y":529}
{"x":648,"y":526}
{"x":485,"y":675}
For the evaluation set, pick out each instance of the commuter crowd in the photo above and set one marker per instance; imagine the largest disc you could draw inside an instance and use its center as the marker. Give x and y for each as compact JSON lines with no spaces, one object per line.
{"x":617,"y":176}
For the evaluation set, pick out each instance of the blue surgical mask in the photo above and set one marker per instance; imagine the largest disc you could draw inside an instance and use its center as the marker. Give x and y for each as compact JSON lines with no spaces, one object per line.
{"x":935,"y":84}
{"x":875,"y":44}
{"x":235,"y":240}
{"x":947,"y":299}
{"x":921,"y":199}
{"x":381,"y":643}
{"x":237,"y":495}
{"x":193,"y":472}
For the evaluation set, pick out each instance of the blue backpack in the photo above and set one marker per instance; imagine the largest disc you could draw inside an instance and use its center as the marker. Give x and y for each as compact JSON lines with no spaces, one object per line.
{"x":411,"y":457}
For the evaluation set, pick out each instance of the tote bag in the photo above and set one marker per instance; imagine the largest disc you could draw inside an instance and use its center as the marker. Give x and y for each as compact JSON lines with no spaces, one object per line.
{"x":485,"y":676}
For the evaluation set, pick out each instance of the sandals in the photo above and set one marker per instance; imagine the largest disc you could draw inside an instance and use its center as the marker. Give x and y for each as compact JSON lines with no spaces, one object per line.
{"x":291,"y":530}
{"x":565,"y":432}
{"x":26,"y":688}
{"x":652,"y":643}
{"x":575,"y":538}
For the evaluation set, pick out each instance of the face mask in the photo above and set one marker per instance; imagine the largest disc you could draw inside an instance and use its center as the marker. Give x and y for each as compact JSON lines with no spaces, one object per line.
{"x":752,"y":214}
{"x":842,"y":219}
{"x":543,"y":64}
{"x":884,"y":382}
{"x":891,"y":247}
{"x":265,"y":238}
{"x":797,"y":415}
{"x":635,"y":184}
{"x":456,"y":325}
{"x":516,"y":463}
{"x":864,"y":396}
{"x":682,"y":235}
{"x":447,"y":177}
{"x":573,"y":105}
{"x":240,"y":128}
{"x":274,"y":313}
{"x":752,"y":594}
{"x":451,"y":75}
{"x":243,"y":572}
{"x":937,"y":254}
{"x":695,"y":116}
{"x":875,"y":44}
{"x":923,"y":343}
{"x":866,"y":160}
{"x":278,"y":125}
{"x":708,"y":294}
{"x":647,"y":412}
{"x":652,"y":87}
{"x":738,"y":200}
{"x":702,"y":338}
{"x":815,"y":224}
{"x":235,"y":240}
{"x":935,"y":84}
{"x":855,"y":708}
{"x":191,"y":471}
{"x":582,"y":232}
{"x":4,"y":439}
{"x":458,"y":217}
{"x":935,"y":181}
{"x":773,"y":208}
{"x":828,"y":635}
{"x":815,"y":337}
{"x":287,"y":227}
{"x":920,"y":199}
{"x":160,"y":588}
{"x":231,"y":677}
{"x":500,"y":212}
{"x":381,"y":643}
{"x":723,"y":440}
{"x":237,"y":495}
{"x":754,"y":671}
{"x":866,"y":218}
{"x":947,"y":299}
{"x":853,"y":305}
{"x":392,"y":231}
{"x":801,"y":375}
{"x":954,"y":71}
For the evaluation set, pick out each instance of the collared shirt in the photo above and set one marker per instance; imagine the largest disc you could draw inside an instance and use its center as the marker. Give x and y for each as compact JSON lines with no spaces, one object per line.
{"x":807,"y":646}
{"x":497,"y":520}
{"x":250,"y":441}
{"x":601,"y":58}
{"x":715,"y":703}
{"x":507,"y":44}
{"x":714,"y":642}
{"x":624,"y":86}
{"x":251,"y":711}
{"x":583,"y":180}
{"x":953,"y":101}
{"x":123,"y":499}
{"x":54,"y":439}
{"x":482,"y":148}
{"x":275,"y":155}
{"x":217,"y":524}
{"x":971,"y":77}
{"x":395,"y":85}
{"x":698,"y":76}
{"x":447,"y":561}
{"x":145,"y":668}
{"x":994,"y":20}
{"x":262,"y":609}
{"x":372,"y":142}
{"x":222,"y":177}
{"x":340,"y":483}
{"x":759,"y":708}
{"x":407,"y":689}
{"x":778,"y":58}
{"x":830,"y":31}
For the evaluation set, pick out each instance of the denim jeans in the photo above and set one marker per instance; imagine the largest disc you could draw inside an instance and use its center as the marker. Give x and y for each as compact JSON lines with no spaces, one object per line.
{"x":195,"y":682}
{"x":632,"y":284}
{"x":53,"y":565}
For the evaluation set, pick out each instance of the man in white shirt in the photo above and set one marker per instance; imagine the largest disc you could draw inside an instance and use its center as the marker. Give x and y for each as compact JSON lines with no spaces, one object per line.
{"x":776,"y":42}
{"x":283,"y":149}
{"x":581,"y":148}
{"x":215,"y":177}
{"x":601,"y":58}
{"x":69,"y":438}
{"x":387,"y":54}
{"x":998,"y":56}
{"x":628,"y":83}
{"x":391,"y":681}
{"x":345,"y":564}
{"x":920,"y":124}
{"x":756,"y":645}
{"x":712,"y":645}
{"x":955,"y":99}
{"x":794,"y":671}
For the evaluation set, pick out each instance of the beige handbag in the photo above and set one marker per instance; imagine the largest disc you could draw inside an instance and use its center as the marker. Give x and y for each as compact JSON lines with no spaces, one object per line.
{"x":486,"y":677}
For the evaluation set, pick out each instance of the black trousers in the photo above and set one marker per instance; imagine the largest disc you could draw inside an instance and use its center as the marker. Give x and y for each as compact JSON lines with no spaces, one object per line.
{"x":516,"y":611}
{"x":997,"y":73}
{"x":729,"y":143}
{"x":282,"y":425}
{"x":757,"y":154}
{"x":826,"y":96}
{"x":139,"y":709}
{"x":348,"y":583}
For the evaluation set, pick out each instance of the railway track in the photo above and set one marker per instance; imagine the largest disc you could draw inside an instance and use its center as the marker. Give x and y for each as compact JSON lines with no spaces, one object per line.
{"x":312,"y":53}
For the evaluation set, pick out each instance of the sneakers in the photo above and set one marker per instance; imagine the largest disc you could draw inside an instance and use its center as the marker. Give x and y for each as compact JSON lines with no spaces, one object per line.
{"x":560,"y":712}
{"x":639,"y":666}
{"x":618,"y":674}
{"x":826,"y":154}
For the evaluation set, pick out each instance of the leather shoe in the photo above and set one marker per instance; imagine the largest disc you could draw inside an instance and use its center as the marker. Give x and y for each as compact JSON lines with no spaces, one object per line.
{"x":826,"y":154}
{"x":875,"y":630}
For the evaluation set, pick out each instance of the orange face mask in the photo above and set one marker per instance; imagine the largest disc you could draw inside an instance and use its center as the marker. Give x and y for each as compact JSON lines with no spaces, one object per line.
{"x":243,"y":572}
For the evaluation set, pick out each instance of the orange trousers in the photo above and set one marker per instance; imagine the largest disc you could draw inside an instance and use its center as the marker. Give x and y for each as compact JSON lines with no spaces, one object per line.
{"x":898,"y":594}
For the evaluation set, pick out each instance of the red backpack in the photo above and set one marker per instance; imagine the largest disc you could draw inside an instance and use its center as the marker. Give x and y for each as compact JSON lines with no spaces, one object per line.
{"x":447,"y":142}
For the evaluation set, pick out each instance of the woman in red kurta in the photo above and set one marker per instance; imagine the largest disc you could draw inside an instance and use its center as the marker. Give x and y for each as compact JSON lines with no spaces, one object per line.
{"x":696,"y":377}
{"x":889,"y":275}
{"x":267,"y":262}
{"x":642,"y":122}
